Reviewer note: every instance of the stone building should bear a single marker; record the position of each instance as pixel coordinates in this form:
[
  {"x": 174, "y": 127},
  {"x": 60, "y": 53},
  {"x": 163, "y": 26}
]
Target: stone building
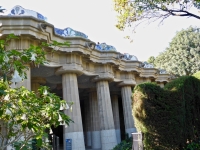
[{"x": 97, "y": 78}]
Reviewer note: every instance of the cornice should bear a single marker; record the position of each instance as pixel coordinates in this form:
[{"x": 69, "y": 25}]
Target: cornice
[{"x": 28, "y": 26}]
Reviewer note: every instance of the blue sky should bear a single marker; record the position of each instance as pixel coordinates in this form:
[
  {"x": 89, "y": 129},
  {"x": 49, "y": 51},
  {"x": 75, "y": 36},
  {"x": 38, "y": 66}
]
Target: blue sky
[{"x": 97, "y": 19}]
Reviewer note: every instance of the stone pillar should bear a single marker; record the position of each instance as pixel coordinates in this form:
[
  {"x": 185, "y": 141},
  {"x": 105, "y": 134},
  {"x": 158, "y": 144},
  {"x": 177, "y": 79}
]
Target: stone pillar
[
  {"x": 88, "y": 114},
  {"x": 115, "y": 109},
  {"x": 75, "y": 130},
  {"x": 127, "y": 109},
  {"x": 35, "y": 83},
  {"x": 147, "y": 80},
  {"x": 95, "y": 123},
  {"x": 161, "y": 84},
  {"x": 108, "y": 135}
]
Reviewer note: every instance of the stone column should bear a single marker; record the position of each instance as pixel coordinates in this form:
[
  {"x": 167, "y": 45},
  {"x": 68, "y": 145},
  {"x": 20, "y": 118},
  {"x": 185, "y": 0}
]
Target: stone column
[
  {"x": 147, "y": 80},
  {"x": 88, "y": 114},
  {"x": 161, "y": 84},
  {"x": 35, "y": 83},
  {"x": 75, "y": 130},
  {"x": 108, "y": 135},
  {"x": 115, "y": 109},
  {"x": 126, "y": 93},
  {"x": 95, "y": 123}
]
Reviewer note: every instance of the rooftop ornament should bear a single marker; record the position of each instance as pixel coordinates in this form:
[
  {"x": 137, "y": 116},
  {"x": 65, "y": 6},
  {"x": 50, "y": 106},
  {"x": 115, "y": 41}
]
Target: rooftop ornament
[
  {"x": 127, "y": 56},
  {"x": 104, "y": 47},
  {"x": 147, "y": 65},
  {"x": 162, "y": 71},
  {"x": 69, "y": 32},
  {"x": 20, "y": 11}
]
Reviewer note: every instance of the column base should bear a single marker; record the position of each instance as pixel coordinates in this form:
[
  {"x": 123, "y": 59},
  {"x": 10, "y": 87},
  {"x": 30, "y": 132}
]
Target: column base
[
  {"x": 88, "y": 138},
  {"x": 108, "y": 139},
  {"x": 118, "y": 135},
  {"x": 77, "y": 140},
  {"x": 130, "y": 131},
  {"x": 96, "y": 139}
]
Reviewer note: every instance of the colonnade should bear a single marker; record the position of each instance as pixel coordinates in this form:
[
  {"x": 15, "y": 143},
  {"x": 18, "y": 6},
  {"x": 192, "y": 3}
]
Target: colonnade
[
  {"x": 102, "y": 123},
  {"x": 101, "y": 112}
]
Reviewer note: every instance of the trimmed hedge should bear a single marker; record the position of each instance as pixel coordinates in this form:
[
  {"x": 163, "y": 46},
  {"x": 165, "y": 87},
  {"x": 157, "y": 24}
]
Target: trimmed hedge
[{"x": 169, "y": 118}]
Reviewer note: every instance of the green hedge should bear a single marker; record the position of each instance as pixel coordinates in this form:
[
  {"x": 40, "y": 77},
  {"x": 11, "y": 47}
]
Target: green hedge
[{"x": 169, "y": 117}]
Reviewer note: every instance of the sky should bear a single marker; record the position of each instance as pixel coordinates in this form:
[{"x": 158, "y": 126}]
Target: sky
[{"x": 97, "y": 19}]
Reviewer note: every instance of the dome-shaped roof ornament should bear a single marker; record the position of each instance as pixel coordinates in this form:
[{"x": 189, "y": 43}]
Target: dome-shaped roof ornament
[
  {"x": 69, "y": 32},
  {"x": 147, "y": 65},
  {"x": 127, "y": 56},
  {"x": 162, "y": 71},
  {"x": 20, "y": 11},
  {"x": 104, "y": 47}
]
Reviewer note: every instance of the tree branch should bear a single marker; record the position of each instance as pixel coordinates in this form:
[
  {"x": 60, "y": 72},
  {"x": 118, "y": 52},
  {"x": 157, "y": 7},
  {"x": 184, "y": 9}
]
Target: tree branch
[{"x": 178, "y": 12}]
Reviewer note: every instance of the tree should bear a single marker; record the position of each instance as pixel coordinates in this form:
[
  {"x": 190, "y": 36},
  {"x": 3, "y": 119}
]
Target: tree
[
  {"x": 138, "y": 11},
  {"x": 182, "y": 57},
  {"x": 151, "y": 60},
  {"x": 26, "y": 115}
]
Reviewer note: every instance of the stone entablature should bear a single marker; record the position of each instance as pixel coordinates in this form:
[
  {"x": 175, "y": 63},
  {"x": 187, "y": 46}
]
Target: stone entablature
[{"x": 76, "y": 58}]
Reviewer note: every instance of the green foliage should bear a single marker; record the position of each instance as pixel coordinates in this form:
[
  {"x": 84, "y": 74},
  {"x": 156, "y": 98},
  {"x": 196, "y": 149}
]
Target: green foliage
[
  {"x": 125, "y": 144},
  {"x": 24, "y": 114},
  {"x": 151, "y": 60},
  {"x": 197, "y": 75},
  {"x": 194, "y": 145},
  {"x": 169, "y": 117},
  {"x": 182, "y": 57},
  {"x": 138, "y": 11}
]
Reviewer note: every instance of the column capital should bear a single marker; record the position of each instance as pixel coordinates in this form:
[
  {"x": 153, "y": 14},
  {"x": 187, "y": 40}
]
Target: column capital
[
  {"x": 103, "y": 77},
  {"x": 127, "y": 78},
  {"x": 162, "y": 78},
  {"x": 70, "y": 68},
  {"x": 128, "y": 82},
  {"x": 148, "y": 72}
]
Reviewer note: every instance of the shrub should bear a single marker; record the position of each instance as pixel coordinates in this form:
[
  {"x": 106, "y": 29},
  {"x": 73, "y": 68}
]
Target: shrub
[{"x": 169, "y": 117}]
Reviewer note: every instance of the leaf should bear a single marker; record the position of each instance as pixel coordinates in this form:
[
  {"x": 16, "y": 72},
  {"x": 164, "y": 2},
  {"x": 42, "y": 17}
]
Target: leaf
[
  {"x": 24, "y": 58},
  {"x": 39, "y": 142},
  {"x": 2, "y": 92}
]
